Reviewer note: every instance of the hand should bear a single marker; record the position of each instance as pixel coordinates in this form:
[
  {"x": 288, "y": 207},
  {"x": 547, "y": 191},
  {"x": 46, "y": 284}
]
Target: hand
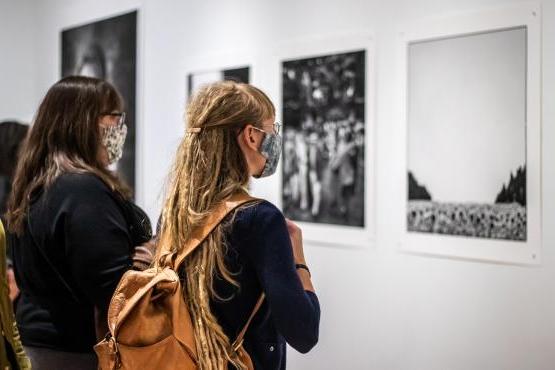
[
  {"x": 12, "y": 285},
  {"x": 296, "y": 235}
]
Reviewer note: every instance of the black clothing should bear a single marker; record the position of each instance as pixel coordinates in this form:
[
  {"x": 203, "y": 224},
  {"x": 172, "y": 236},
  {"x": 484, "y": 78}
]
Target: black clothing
[{"x": 76, "y": 244}]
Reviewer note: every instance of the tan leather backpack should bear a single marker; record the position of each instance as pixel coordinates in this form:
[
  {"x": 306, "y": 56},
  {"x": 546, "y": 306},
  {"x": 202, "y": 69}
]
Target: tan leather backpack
[{"x": 148, "y": 319}]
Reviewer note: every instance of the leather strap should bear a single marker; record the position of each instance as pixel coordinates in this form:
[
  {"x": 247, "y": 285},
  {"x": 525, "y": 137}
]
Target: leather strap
[
  {"x": 200, "y": 234},
  {"x": 213, "y": 220},
  {"x": 239, "y": 341}
]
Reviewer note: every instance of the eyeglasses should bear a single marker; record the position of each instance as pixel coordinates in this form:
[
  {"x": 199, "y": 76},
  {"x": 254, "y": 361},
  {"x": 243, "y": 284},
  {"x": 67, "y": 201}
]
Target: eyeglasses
[
  {"x": 277, "y": 127},
  {"x": 121, "y": 116}
]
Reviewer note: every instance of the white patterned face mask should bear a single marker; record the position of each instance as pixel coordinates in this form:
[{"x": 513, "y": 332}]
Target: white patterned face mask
[
  {"x": 271, "y": 150},
  {"x": 113, "y": 139}
]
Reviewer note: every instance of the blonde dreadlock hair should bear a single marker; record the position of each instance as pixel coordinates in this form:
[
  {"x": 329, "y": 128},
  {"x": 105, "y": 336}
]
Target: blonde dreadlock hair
[{"x": 209, "y": 167}]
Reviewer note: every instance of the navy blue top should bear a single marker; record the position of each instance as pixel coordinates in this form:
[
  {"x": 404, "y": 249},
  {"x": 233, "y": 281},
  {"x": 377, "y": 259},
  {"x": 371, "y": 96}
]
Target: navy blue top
[{"x": 260, "y": 253}]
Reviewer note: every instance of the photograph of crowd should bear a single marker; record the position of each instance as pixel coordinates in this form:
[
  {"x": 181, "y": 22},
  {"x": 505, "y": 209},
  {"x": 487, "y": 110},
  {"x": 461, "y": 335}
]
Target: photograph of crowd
[
  {"x": 196, "y": 80},
  {"x": 467, "y": 136},
  {"x": 107, "y": 49},
  {"x": 324, "y": 139}
]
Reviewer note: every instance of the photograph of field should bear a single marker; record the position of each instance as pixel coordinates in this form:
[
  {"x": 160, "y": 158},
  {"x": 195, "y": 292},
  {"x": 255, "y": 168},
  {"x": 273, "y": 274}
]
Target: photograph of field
[
  {"x": 467, "y": 135},
  {"x": 497, "y": 221}
]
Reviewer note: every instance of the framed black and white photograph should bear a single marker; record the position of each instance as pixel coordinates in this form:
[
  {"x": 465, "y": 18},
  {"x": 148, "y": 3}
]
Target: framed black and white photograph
[
  {"x": 323, "y": 156},
  {"x": 196, "y": 80},
  {"x": 327, "y": 162},
  {"x": 107, "y": 49},
  {"x": 472, "y": 136}
]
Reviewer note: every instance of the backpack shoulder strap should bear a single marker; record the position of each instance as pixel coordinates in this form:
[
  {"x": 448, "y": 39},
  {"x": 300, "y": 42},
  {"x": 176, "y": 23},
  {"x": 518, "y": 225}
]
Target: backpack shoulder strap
[
  {"x": 213, "y": 220},
  {"x": 200, "y": 234},
  {"x": 239, "y": 340}
]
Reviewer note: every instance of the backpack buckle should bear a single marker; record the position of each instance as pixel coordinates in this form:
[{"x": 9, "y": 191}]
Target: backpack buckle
[
  {"x": 237, "y": 345},
  {"x": 117, "y": 360}
]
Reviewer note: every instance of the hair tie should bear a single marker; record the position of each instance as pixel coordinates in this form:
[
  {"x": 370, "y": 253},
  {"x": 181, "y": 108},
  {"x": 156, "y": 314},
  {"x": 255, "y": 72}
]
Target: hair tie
[{"x": 194, "y": 130}]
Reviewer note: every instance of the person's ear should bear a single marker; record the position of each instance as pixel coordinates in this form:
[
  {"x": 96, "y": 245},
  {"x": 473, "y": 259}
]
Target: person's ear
[{"x": 250, "y": 137}]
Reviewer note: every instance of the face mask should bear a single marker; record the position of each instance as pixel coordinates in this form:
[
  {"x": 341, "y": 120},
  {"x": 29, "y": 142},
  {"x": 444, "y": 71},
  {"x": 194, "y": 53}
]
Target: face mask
[
  {"x": 113, "y": 140},
  {"x": 271, "y": 150}
]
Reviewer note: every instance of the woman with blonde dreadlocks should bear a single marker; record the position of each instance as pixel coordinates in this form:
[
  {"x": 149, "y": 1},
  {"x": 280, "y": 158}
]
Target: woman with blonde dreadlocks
[{"x": 232, "y": 136}]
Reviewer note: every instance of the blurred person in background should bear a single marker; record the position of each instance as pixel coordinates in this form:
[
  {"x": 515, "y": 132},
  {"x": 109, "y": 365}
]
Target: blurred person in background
[
  {"x": 12, "y": 135},
  {"x": 12, "y": 355}
]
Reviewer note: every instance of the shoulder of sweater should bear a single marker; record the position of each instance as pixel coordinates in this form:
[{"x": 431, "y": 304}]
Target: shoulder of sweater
[
  {"x": 85, "y": 180},
  {"x": 72, "y": 190},
  {"x": 80, "y": 185},
  {"x": 263, "y": 207},
  {"x": 259, "y": 213}
]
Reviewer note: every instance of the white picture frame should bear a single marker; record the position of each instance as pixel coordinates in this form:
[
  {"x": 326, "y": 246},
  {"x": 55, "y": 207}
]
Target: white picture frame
[
  {"x": 325, "y": 233},
  {"x": 526, "y": 252},
  {"x": 217, "y": 62}
]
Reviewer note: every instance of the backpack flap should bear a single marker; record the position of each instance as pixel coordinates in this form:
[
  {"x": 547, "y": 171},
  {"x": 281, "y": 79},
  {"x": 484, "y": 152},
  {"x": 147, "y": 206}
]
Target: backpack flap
[{"x": 147, "y": 308}]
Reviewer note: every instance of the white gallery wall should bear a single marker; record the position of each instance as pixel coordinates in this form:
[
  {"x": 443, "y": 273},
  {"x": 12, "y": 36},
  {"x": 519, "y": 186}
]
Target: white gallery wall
[
  {"x": 18, "y": 63},
  {"x": 381, "y": 309}
]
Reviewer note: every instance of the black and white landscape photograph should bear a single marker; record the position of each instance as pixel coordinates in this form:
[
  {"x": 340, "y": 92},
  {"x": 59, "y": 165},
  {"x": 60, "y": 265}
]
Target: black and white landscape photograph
[
  {"x": 198, "y": 79},
  {"x": 107, "y": 49},
  {"x": 467, "y": 135},
  {"x": 324, "y": 139}
]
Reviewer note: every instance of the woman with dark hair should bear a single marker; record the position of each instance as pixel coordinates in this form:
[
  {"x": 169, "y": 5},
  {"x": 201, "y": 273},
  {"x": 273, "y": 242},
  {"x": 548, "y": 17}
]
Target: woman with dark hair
[
  {"x": 12, "y": 135},
  {"x": 73, "y": 229}
]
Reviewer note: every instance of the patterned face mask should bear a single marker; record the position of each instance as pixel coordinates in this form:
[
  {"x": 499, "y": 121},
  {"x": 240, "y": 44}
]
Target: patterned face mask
[
  {"x": 271, "y": 150},
  {"x": 113, "y": 139}
]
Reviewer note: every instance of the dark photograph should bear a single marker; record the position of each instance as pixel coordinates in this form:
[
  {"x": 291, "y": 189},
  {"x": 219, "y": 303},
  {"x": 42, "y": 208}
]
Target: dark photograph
[
  {"x": 196, "y": 80},
  {"x": 107, "y": 49},
  {"x": 324, "y": 140},
  {"x": 467, "y": 136}
]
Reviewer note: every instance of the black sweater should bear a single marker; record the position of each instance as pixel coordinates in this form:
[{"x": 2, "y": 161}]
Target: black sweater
[
  {"x": 259, "y": 251},
  {"x": 81, "y": 244}
]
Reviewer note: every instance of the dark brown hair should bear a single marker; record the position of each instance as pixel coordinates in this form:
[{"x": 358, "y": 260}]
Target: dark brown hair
[
  {"x": 65, "y": 137},
  {"x": 12, "y": 135}
]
